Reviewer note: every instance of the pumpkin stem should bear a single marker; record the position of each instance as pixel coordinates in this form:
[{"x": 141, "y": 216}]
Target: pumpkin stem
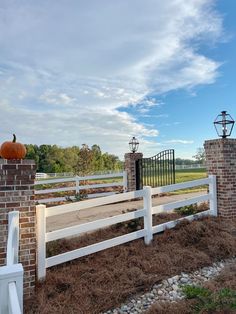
[{"x": 14, "y": 138}]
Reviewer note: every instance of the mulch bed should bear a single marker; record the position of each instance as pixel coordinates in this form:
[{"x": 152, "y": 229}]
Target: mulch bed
[{"x": 101, "y": 281}]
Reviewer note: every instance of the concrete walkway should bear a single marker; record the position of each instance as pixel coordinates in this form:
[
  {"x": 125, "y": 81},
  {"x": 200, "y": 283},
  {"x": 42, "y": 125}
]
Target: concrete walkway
[{"x": 87, "y": 215}]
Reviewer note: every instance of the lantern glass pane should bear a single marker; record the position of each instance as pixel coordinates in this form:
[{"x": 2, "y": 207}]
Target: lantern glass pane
[{"x": 133, "y": 145}]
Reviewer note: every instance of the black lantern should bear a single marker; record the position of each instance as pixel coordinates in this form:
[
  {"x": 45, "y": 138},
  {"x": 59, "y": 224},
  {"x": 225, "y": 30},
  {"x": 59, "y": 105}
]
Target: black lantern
[
  {"x": 224, "y": 124},
  {"x": 133, "y": 144}
]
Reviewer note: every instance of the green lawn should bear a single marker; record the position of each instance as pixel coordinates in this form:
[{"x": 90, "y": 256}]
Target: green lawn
[{"x": 189, "y": 175}]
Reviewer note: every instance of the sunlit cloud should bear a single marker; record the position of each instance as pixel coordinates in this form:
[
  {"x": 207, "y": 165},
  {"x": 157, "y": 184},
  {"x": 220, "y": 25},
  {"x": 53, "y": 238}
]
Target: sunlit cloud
[
  {"x": 179, "y": 142},
  {"x": 70, "y": 71}
]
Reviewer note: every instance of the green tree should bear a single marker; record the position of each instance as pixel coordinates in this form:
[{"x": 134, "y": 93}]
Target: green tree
[
  {"x": 97, "y": 161},
  {"x": 85, "y": 165},
  {"x": 200, "y": 155},
  {"x": 71, "y": 155},
  {"x": 32, "y": 153},
  {"x": 84, "y": 160}
]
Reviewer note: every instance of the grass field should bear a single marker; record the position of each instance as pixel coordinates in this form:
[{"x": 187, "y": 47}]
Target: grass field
[{"x": 189, "y": 175}]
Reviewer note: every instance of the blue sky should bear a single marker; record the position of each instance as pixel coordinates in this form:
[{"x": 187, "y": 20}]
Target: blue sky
[{"x": 102, "y": 71}]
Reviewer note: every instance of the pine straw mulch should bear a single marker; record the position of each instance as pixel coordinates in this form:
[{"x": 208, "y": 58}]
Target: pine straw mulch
[{"x": 101, "y": 281}]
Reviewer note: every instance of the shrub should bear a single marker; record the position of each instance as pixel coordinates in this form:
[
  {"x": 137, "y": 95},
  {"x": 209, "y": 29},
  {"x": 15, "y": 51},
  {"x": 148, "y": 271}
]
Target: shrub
[
  {"x": 192, "y": 209},
  {"x": 195, "y": 291},
  {"x": 208, "y": 301},
  {"x": 187, "y": 210},
  {"x": 78, "y": 197}
]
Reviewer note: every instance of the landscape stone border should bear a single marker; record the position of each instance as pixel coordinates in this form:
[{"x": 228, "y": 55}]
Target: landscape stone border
[{"x": 170, "y": 290}]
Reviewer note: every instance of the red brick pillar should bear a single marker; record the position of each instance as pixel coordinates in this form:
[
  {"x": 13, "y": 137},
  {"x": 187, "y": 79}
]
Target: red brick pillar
[
  {"x": 130, "y": 159},
  {"x": 17, "y": 194},
  {"x": 221, "y": 161}
]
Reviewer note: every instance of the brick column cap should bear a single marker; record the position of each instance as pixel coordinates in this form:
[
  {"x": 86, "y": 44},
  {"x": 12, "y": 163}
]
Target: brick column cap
[
  {"x": 220, "y": 141},
  {"x": 133, "y": 155}
]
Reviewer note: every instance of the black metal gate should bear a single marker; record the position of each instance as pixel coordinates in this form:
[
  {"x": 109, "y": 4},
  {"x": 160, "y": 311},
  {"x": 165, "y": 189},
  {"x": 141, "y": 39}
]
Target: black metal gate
[{"x": 156, "y": 171}]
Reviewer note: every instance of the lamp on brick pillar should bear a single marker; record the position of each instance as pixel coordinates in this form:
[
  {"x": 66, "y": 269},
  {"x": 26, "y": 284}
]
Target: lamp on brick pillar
[
  {"x": 224, "y": 124},
  {"x": 130, "y": 164},
  {"x": 221, "y": 161},
  {"x": 133, "y": 144},
  {"x": 17, "y": 194}
]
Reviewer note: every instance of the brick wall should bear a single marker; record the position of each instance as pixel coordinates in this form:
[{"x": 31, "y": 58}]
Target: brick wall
[
  {"x": 130, "y": 159},
  {"x": 221, "y": 161},
  {"x": 17, "y": 193}
]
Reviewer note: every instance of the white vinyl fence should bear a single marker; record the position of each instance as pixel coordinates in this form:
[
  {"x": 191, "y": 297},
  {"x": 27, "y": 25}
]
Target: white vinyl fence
[
  {"x": 43, "y": 212},
  {"x": 195, "y": 166},
  {"x": 43, "y": 175},
  {"x": 120, "y": 179},
  {"x": 11, "y": 275}
]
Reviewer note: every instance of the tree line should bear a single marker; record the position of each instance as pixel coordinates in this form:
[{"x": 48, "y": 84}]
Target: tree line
[
  {"x": 79, "y": 160},
  {"x": 200, "y": 158},
  {"x": 84, "y": 160}
]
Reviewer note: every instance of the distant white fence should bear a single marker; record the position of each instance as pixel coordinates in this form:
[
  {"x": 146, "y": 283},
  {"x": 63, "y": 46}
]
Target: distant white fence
[
  {"x": 11, "y": 276},
  {"x": 196, "y": 166},
  {"x": 147, "y": 212},
  {"x": 120, "y": 179},
  {"x": 43, "y": 175}
]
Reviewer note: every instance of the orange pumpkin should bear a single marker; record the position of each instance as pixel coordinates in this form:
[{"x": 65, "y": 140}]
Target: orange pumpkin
[{"x": 13, "y": 150}]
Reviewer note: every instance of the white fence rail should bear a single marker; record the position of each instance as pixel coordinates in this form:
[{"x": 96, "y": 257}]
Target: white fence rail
[
  {"x": 195, "y": 166},
  {"x": 120, "y": 181},
  {"x": 11, "y": 275},
  {"x": 43, "y": 175},
  {"x": 147, "y": 232}
]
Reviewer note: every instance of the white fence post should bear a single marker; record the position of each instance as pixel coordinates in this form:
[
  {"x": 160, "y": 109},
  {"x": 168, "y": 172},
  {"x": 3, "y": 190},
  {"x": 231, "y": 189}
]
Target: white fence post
[
  {"x": 213, "y": 195},
  {"x": 8, "y": 275},
  {"x": 41, "y": 243},
  {"x": 77, "y": 185},
  {"x": 125, "y": 183},
  {"x": 147, "y": 200},
  {"x": 13, "y": 238}
]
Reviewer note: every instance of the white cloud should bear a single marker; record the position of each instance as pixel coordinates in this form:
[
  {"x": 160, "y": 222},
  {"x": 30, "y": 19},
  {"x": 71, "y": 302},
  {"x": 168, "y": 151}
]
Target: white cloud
[
  {"x": 163, "y": 115},
  {"x": 68, "y": 68},
  {"x": 112, "y": 128},
  {"x": 179, "y": 142},
  {"x": 52, "y": 97}
]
